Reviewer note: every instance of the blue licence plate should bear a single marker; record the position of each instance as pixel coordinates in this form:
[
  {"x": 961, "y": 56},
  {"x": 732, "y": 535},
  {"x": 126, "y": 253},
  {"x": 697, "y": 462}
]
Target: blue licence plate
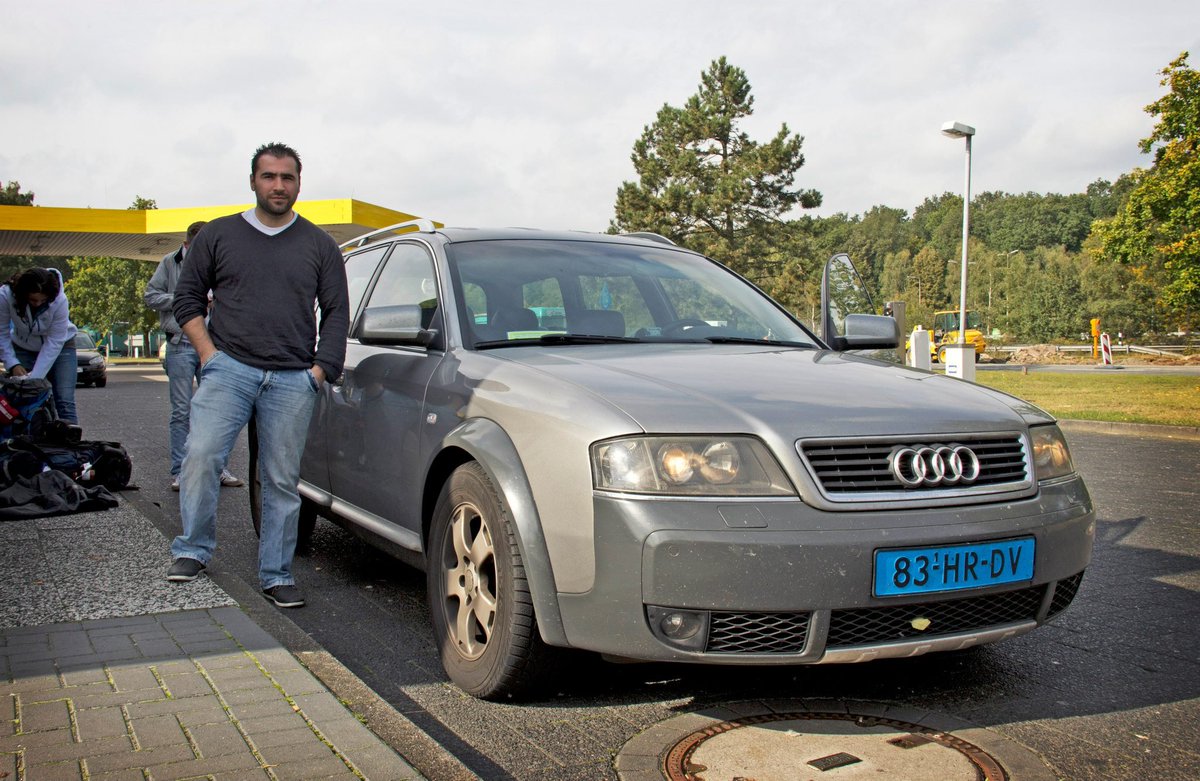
[{"x": 952, "y": 567}]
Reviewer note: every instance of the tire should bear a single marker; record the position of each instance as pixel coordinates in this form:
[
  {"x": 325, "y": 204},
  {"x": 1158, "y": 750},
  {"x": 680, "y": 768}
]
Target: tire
[
  {"x": 479, "y": 600},
  {"x": 100, "y": 383},
  {"x": 941, "y": 355},
  {"x": 308, "y": 510}
]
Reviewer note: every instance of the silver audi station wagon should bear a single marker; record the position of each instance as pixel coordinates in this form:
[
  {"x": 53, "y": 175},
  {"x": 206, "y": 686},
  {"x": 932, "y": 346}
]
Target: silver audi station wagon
[{"x": 615, "y": 444}]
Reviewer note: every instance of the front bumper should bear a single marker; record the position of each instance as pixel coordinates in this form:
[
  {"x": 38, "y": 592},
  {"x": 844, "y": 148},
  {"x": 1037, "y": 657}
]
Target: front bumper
[{"x": 785, "y": 583}]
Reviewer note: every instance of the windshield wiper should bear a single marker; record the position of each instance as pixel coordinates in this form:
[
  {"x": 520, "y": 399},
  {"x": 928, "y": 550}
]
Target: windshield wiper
[
  {"x": 553, "y": 339},
  {"x": 750, "y": 340}
]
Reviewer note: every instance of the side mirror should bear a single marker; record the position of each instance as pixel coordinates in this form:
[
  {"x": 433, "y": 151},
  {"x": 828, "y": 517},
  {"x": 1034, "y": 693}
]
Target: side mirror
[
  {"x": 846, "y": 319},
  {"x": 404, "y": 324}
]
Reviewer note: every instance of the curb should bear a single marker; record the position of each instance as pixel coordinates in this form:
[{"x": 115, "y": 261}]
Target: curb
[{"x": 1153, "y": 430}]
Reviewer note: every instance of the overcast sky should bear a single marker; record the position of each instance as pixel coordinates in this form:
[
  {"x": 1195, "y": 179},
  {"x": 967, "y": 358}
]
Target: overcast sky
[{"x": 525, "y": 113}]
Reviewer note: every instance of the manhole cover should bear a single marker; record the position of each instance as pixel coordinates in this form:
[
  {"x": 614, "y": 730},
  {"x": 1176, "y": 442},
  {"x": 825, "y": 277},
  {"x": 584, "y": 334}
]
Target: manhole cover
[{"x": 815, "y": 746}]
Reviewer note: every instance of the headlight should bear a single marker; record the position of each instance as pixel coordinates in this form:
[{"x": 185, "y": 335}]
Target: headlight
[
  {"x": 97, "y": 361},
  {"x": 1051, "y": 458},
  {"x": 690, "y": 466}
]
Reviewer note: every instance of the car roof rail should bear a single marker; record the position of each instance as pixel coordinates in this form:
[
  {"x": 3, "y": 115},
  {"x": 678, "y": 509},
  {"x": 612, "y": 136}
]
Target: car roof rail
[
  {"x": 420, "y": 224},
  {"x": 661, "y": 239}
]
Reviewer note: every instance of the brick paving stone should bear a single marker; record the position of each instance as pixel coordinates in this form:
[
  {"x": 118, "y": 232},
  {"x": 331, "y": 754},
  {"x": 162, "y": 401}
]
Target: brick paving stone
[
  {"x": 215, "y": 740},
  {"x": 236, "y": 678},
  {"x": 154, "y": 731},
  {"x": 59, "y": 747},
  {"x": 54, "y": 771},
  {"x": 265, "y": 739},
  {"x": 313, "y": 769},
  {"x": 298, "y": 682},
  {"x": 101, "y": 723},
  {"x": 242, "y": 699},
  {"x": 347, "y": 734},
  {"x": 278, "y": 724},
  {"x": 206, "y": 647},
  {"x": 194, "y": 708},
  {"x": 161, "y": 649},
  {"x": 45, "y": 715},
  {"x": 139, "y": 697},
  {"x": 82, "y": 675},
  {"x": 229, "y": 660},
  {"x": 377, "y": 763},
  {"x": 133, "y": 677},
  {"x": 321, "y": 707},
  {"x": 124, "y": 774},
  {"x": 190, "y": 685}
]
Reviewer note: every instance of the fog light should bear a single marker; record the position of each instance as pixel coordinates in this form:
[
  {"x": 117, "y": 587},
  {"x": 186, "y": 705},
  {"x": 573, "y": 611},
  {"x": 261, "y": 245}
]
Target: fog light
[
  {"x": 680, "y": 626},
  {"x": 684, "y": 629}
]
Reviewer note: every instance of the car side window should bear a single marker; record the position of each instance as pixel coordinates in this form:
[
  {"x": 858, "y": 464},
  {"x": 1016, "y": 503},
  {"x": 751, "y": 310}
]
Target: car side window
[
  {"x": 360, "y": 267},
  {"x": 407, "y": 280}
]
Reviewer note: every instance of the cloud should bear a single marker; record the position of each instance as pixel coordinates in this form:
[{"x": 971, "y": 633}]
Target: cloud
[{"x": 526, "y": 113}]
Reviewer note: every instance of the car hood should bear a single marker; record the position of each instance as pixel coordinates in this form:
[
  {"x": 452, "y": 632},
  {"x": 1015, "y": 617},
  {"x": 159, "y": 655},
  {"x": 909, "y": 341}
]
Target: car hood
[{"x": 735, "y": 388}]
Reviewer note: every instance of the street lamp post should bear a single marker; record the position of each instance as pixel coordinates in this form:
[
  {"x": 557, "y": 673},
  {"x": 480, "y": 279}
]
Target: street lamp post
[{"x": 964, "y": 366}]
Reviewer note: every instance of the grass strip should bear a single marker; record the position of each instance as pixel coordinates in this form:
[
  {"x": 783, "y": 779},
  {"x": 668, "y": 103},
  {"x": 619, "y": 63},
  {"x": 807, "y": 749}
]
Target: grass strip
[{"x": 1168, "y": 400}]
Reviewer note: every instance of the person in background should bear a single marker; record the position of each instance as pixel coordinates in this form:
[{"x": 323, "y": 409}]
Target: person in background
[
  {"x": 181, "y": 363},
  {"x": 37, "y": 337},
  {"x": 262, "y": 354}
]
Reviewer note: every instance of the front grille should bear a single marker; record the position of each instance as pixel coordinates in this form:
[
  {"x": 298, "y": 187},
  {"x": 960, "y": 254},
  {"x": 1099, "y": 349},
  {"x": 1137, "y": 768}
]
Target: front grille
[
  {"x": 1064, "y": 593},
  {"x": 853, "y": 469},
  {"x": 866, "y": 626},
  {"x": 757, "y": 633}
]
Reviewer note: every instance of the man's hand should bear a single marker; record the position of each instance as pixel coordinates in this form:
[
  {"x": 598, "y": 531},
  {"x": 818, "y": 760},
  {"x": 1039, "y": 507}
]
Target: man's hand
[
  {"x": 318, "y": 374},
  {"x": 18, "y": 371}
]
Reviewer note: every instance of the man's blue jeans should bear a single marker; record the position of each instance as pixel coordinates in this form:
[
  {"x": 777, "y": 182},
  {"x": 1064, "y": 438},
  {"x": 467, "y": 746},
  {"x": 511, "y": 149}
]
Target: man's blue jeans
[
  {"x": 63, "y": 376},
  {"x": 282, "y": 403},
  {"x": 182, "y": 366}
]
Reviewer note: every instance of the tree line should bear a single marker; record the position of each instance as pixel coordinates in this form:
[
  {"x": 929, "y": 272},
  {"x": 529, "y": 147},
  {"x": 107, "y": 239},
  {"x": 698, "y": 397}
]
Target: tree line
[{"x": 1041, "y": 265}]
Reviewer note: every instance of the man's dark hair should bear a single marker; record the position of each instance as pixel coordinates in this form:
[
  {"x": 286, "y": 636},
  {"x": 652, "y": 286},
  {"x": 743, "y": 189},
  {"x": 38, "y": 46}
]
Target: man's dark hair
[
  {"x": 193, "y": 229},
  {"x": 274, "y": 149}
]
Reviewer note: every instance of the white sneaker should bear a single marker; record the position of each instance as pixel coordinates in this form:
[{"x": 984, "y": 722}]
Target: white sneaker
[
  {"x": 228, "y": 480},
  {"x": 175, "y": 482}
]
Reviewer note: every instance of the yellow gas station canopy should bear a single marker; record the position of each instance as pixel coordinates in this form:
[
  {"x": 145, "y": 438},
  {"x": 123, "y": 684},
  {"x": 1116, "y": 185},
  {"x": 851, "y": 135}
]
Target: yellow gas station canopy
[{"x": 148, "y": 234}]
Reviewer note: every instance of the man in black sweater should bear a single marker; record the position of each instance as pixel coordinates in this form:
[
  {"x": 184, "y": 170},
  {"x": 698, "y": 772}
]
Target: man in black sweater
[{"x": 262, "y": 353}]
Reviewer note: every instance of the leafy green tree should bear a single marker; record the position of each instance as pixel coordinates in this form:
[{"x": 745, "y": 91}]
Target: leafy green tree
[
  {"x": 107, "y": 293},
  {"x": 1159, "y": 222},
  {"x": 703, "y": 183},
  {"x": 11, "y": 195},
  {"x": 1030, "y": 220}
]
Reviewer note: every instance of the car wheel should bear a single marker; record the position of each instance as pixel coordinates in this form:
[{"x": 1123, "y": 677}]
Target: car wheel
[
  {"x": 100, "y": 383},
  {"x": 479, "y": 600},
  {"x": 941, "y": 355},
  {"x": 308, "y": 510}
]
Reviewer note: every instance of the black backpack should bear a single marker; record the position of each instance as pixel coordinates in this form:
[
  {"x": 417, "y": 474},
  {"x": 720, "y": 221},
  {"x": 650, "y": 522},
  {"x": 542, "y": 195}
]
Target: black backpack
[
  {"x": 24, "y": 406},
  {"x": 86, "y": 462}
]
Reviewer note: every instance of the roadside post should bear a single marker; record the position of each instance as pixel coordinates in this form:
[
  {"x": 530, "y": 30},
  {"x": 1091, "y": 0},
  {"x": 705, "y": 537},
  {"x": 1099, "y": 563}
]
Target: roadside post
[
  {"x": 1095, "y": 335},
  {"x": 1105, "y": 349},
  {"x": 918, "y": 349},
  {"x": 896, "y": 310}
]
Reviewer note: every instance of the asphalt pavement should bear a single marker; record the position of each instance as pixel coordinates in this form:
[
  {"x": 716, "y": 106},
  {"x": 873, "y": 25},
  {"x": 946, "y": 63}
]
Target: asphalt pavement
[{"x": 1110, "y": 691}]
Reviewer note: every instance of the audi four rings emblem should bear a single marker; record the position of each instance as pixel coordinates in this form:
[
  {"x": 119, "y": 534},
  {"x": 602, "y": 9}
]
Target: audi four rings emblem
[{"x": 935, "y": 465}]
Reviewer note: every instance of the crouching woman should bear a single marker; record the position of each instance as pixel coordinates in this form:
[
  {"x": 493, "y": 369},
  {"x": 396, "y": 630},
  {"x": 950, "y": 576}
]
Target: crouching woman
[{"x": 37, "y": 337}]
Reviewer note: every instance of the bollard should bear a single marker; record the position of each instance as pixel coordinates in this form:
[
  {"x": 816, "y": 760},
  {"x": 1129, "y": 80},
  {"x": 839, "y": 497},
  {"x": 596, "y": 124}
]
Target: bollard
[
  {"x": 918, "y": 349},
  {"x": 1105, "y": 350}
]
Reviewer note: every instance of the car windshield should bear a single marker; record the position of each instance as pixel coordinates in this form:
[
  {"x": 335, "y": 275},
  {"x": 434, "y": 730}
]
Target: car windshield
[
  {"x": 84, "y": 342},
  {"x": 515, "y": 292}
]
